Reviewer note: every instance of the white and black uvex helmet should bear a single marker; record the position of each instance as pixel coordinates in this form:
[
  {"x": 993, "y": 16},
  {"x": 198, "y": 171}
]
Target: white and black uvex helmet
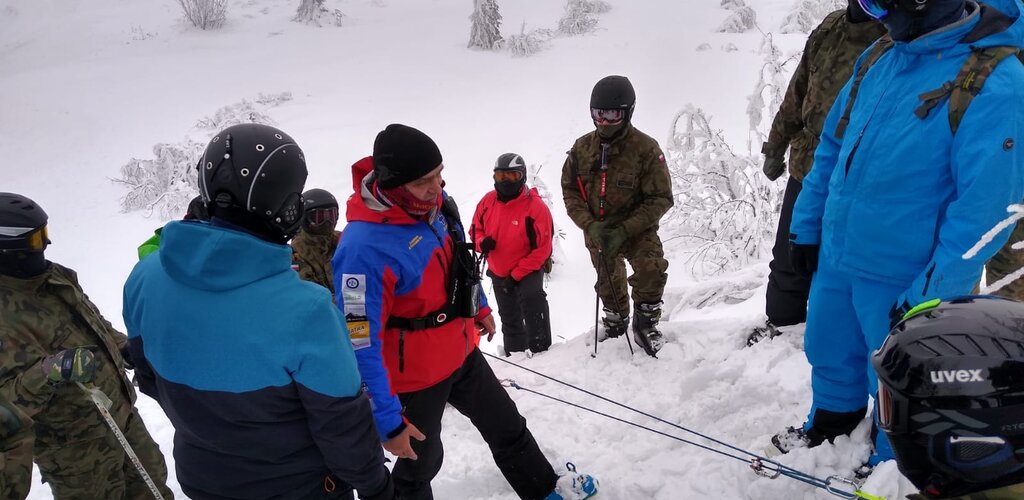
[{"x": 257, "y": 169}]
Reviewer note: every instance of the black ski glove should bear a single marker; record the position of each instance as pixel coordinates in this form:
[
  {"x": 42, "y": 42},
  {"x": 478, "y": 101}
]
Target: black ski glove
[
  {"x": 773, "y": 167},
  {"x": 487, "y": 245},
  {"x": 804, "y": 259}
]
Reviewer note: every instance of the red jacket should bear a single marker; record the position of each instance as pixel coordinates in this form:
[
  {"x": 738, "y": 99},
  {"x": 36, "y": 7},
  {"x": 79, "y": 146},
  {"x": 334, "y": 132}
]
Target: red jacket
[
  {"x": 521, "y": 229},
  {"x": 391, "y": 264}
]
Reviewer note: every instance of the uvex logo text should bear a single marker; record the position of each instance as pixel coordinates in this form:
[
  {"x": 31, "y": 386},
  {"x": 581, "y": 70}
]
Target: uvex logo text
[{"x": 946, "y": 376}]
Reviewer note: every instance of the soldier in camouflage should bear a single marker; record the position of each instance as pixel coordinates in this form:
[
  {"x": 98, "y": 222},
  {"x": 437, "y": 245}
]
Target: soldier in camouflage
[
  {"x": 53, "y": 339},
  {"x": 616, "y": 188},
  {"x": 826, "y": 65},
  {"x": 313, "y": 247},
  {"x": 15, "y": 452}
]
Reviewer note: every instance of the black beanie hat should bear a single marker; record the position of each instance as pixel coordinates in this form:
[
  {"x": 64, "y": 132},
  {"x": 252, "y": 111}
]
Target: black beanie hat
[{"x": 403, "y": 154}]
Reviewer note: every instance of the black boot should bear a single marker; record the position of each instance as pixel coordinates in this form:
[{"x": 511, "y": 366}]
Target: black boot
[
  {"x": 768, "y": 331},
  {"x": 614, "y": 324},
  {"x": 645, "y": 327}
]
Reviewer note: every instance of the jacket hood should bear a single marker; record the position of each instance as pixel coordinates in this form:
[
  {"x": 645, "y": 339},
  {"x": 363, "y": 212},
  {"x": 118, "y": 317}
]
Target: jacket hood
[
  {"x": 202, "y": 256},
  {"x": 988, "y": 24}
]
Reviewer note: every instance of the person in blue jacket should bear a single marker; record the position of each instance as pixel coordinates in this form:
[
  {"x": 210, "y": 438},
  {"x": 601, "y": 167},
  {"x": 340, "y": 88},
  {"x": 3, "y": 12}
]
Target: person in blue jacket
[
  {"x": 252, "y": 365},
  {"x": 897, "y": 195}
]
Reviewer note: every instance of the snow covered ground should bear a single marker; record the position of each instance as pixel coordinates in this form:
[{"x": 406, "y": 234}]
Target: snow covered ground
[{"x": 87, "y": 85}]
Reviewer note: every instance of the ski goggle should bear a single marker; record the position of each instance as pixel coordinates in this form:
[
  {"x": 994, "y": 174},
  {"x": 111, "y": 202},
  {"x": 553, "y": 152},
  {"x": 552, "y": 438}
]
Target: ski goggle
[
  {"x": 607, "y": 115},
  {"x": 319, "y": 216},
  {"x": 32, "y": 241},
  {"x": 877, "y": 9},
  {"x": 507, "y": 175}
]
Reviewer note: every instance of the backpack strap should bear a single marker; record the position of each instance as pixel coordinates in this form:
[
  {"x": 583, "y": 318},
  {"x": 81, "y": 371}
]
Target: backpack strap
[
  {"x": 873, "y": 55},
  {"x": 972, "y": 77}
]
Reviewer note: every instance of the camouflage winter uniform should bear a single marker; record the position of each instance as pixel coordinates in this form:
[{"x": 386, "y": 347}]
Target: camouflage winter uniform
[
  {"x": 1005, "y": 262},
  {"x": 826, "y": 65},
  {"x": 15, "y": 452},
  {"x": 1012, "y": 492},
  {"x": 75, "y": 450},
  {"x": 312, "y": 253},
  {"x": 638, "y": 193}
]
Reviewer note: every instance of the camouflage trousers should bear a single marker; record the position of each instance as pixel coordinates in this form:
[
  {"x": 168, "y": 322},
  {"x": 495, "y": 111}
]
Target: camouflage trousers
[
  {"x": 97, "y": 466},
  {"x": 646, "y": 256},
  {"x": 16, "y": 464},
  {"x": 1005, "y": 262}
]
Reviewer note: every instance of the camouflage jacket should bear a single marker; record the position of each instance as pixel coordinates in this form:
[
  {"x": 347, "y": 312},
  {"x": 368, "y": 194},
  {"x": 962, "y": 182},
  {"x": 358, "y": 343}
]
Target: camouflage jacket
[
  {"x": 312, "y": 254},
  {"x": 827, "y": 63},
  {"x": 43, "y": 315},
  {"x": 14, "y": 427},
  {"x": 1012, "y": 492},
  {"x": 638, "y": 186}
]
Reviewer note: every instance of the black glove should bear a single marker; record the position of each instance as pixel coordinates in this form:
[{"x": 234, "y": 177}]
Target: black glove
[
  {"x": 774, "y": 167},
  {"x": 898, "y": 311},
  {"x": 126, "y": 355},
  {"x": 487, "y": 245},
  {"x": 804, "y": 259}
]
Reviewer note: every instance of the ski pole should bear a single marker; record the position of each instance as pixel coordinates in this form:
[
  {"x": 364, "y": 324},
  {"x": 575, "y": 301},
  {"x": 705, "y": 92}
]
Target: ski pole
[
  {"x": 103, "y": 404},
  {"x": 597, "y": 302},
  {"x": 608, "y": 278}
]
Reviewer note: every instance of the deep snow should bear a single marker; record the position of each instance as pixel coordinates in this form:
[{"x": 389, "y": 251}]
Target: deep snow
[{"x": 86, "y": 85}]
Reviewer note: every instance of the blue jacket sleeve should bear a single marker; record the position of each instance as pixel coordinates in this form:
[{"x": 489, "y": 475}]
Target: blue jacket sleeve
[
  {"x": 805, "y": 226},
  {"x": 367, "y": 285},
  {"x": 988, "y": 169}
]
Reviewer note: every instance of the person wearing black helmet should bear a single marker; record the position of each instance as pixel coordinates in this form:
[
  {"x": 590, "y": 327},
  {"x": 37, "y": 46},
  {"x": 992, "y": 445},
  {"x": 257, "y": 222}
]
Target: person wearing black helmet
[
  {"x": 52, "y": 337},
  {"x": 616, "y": 188},
  {"x": 951, "y": 398},
  {"x": 512, "y": 227},
  {"x": 257, "y": 377},
  {"x": 313, "y": 246}
]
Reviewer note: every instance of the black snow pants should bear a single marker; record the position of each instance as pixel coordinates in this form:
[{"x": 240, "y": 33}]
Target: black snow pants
[
  {"x": 523, "y": 308},
  {"x": 786, "y": 298},
  {"x": 475, "y": 392}
]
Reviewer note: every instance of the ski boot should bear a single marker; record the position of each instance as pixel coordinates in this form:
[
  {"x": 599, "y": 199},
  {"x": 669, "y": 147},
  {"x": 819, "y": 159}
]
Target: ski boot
[
  {"x": 573, "y": 485},
  {"x": 788, "y": 440},
  {"x": 614, "y": 325},
  {"x": 768, "y": 331},
  {"x": 645, "y": 327}
]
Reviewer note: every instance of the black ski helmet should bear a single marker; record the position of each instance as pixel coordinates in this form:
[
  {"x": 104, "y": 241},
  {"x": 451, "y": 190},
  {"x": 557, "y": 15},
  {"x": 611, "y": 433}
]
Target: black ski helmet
[
  {"x": 951, "y": 394},
  {"x": 505, "y": 163},
  {"x": 255, "y": 169},
  {"x": 614, "y": 92},
  {"x": 318, "y": 198},
  {"x": 22, "y": 224}
]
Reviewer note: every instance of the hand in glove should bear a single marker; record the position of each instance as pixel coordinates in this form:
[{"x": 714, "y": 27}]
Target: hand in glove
[
  {"x": 593, "y": 232},
  {"x": 487, "y": 245},
  {"x": 70, "y": 365},
  {"x": 773, "y": 167},
  {"x": 804, "y": 259},
  {"x": 612, "y": 240}
]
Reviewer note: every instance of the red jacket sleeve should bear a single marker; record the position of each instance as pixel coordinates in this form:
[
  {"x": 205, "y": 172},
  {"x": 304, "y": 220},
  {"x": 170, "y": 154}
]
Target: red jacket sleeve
[{"x": 540, "y": 221}]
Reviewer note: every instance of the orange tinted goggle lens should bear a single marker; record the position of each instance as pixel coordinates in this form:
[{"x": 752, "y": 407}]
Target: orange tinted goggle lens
[
  {"x": 508, "y": 175},
  {"x": 37, "y": 239}
]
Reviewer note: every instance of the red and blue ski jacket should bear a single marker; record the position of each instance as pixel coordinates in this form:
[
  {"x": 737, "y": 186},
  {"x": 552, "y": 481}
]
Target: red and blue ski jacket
[
  {"x": 521, "y": 229},
  {"x": 390, "y": 264}
]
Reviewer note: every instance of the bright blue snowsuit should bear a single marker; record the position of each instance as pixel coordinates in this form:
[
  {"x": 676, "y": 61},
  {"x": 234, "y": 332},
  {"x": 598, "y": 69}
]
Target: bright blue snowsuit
[{"x": 898, "y": 200}]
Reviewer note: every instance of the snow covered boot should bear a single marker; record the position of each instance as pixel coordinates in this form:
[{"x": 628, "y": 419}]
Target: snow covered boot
[
  {"x": 614, "y": 325},
  {"x": 573, "y": 485},
  {"x": 645, "y": 327},
  {"x": 768, "y": 331},
  {"x": 789, "y": 440}
]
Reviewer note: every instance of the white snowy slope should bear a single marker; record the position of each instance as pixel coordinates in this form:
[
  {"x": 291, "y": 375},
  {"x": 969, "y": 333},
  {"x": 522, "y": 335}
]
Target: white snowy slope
[{"x": 87, "y": 85}]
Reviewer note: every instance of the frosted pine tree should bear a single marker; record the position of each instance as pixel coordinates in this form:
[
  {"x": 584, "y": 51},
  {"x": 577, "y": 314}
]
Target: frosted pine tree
[{"x": 485, "y": 32}]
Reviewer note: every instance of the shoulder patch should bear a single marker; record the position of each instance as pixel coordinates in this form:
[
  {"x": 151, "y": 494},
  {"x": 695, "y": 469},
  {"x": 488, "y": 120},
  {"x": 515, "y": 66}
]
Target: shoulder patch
[{"x": 354, "y": 296}]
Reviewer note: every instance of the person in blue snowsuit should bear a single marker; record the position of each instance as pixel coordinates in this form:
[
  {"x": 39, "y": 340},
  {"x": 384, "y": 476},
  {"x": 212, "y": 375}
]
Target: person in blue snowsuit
[
  {"x": 894, "y": 201},
  {"x": 252, "y": 365}
]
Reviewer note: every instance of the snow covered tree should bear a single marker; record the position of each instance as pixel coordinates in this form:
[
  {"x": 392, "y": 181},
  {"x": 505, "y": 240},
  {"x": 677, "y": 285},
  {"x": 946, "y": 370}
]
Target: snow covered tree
[
  {"x": 773, "y": 79},
  {"x": 485, "y": 32},
  {"x": 741, "y": 20},
  {"x": 578, "y": 18},
  {"x": 806, "y": 14},
  {"x": 312, "y": 11},
  {"x": 205, "y": 14},
  {"x": 526, "y": 44}
]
